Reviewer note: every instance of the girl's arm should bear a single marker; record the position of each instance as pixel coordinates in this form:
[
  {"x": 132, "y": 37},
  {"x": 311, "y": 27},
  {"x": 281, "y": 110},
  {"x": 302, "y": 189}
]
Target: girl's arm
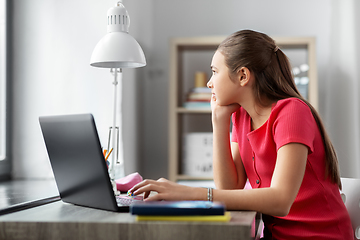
[
  {"x": 285, "y": 184},
  {"x": 229, "y": 172},
  {"x": 275, "y": 200}
]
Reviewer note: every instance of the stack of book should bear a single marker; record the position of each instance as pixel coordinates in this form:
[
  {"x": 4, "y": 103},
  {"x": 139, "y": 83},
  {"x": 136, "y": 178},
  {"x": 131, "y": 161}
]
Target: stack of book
[
  {"x": 198, "y": 97},
  {"x": 180, "y": 211}
]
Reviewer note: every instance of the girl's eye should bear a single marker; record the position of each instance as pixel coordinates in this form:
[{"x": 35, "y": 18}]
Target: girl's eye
[{"x": 213, "y": 72}]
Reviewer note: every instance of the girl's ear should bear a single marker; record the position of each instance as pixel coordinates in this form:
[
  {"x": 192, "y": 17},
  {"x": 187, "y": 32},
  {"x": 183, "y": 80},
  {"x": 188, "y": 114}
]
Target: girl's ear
[{"x": 244, "y": 76}]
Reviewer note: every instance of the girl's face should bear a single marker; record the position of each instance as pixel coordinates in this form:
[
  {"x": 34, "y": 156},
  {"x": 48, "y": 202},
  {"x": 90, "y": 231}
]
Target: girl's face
[{"x": 224, "y": 90}]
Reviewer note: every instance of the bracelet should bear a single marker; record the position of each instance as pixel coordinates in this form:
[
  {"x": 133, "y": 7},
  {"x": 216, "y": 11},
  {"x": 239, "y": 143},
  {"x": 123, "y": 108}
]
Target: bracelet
[{"x": 210, "y": 195}]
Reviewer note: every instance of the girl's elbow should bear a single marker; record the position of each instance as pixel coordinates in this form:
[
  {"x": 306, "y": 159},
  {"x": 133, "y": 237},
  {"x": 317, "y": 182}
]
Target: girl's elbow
[
  {"x": 282, "y": 211},
  {"x": 282, "y": 204},
  {"x": 283, "y": 208}
]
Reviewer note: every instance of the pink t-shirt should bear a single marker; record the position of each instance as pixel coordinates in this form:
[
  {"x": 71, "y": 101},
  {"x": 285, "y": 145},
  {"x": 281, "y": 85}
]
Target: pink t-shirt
[{"x": 318, "y": 211}]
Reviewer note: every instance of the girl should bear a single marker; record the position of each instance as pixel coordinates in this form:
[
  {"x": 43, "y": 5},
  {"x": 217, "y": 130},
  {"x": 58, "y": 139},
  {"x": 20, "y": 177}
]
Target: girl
[{"x": 278, "y": 143}]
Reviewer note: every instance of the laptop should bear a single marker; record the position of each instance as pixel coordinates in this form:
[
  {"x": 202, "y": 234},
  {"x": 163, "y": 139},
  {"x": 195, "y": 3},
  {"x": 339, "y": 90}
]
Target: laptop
[{"x": 78, "y": 163}]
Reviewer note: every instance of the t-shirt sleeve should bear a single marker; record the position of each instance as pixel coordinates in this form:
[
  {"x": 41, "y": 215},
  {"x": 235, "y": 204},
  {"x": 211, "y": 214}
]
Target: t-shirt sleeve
[{"x": 294, "y": 124}]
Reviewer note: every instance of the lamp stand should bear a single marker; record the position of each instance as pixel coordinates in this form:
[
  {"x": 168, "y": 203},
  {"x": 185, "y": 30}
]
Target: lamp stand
[
  {"x": 115, "y": 135},
  {"x": 117, "y": 50}
]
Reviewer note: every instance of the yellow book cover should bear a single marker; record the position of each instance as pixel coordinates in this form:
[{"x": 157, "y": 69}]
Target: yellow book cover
[{"x": 209, "y": 218}]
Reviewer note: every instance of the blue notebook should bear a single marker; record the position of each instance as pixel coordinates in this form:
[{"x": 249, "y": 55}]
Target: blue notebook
[{"x": 177, "y": 208}]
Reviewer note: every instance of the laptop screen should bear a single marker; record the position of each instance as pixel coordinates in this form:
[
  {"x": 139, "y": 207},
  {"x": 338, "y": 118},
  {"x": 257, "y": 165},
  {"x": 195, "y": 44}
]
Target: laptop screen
[{"x": 77, "y": 161}]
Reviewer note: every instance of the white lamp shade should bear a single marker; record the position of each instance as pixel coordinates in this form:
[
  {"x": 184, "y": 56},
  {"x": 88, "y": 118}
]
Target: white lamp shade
[{"x": 118, "y": 50}]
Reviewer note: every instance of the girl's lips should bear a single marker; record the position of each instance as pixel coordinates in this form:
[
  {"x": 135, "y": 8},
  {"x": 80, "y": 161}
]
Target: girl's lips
[{"x": 213, "y": 96}]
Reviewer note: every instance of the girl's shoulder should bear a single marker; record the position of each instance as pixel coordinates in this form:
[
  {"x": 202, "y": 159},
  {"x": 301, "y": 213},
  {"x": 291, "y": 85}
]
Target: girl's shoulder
[
  {"x": 294, "y": 105},
  {"x": 290, "y": 102}
]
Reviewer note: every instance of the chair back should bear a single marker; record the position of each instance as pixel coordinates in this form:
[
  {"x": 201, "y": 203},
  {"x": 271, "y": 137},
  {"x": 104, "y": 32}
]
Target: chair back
[{"x": 350, "y": 195}]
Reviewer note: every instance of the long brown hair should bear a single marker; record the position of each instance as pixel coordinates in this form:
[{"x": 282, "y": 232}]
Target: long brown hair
[{"x": 274, "y": 80}]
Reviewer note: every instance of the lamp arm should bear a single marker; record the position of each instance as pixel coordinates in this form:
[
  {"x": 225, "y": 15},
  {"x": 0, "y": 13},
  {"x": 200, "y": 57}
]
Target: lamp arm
[{"x": 113, "y": 140}]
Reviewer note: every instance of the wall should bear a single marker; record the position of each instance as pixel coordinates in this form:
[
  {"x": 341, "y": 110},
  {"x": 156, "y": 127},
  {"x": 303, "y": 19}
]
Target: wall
[
  {"x": 52, "y": 45},
  {"x": 343, "y": 85}
]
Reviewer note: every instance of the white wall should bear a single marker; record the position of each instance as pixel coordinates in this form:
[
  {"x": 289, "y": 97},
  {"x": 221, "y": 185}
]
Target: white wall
[
  {"x": 53, "y": 41},
  {"x": 52, "y": 45},
  {"x": 343, "y": 85}
]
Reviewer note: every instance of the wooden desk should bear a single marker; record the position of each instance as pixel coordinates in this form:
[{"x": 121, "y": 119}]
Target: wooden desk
[
  {"x": 25, "y": 215},
  {"x": 60, "y": 220}
]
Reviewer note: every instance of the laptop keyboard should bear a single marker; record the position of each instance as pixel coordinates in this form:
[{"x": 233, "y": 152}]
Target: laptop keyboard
[{"x": 127, "y": 201}]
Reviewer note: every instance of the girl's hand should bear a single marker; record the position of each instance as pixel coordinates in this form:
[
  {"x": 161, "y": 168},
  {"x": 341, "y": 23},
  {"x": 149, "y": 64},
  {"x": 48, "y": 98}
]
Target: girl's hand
[
  {"x": 222, "y": 112},
  {"x": 167, "y": 190}
]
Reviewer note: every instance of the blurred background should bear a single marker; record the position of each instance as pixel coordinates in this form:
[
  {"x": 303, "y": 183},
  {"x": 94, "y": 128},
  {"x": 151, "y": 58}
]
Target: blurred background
[{"x": 49, "y": 45}]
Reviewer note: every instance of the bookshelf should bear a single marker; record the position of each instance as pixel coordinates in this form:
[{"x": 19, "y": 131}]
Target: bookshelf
[{"x": 192, "y": 54}]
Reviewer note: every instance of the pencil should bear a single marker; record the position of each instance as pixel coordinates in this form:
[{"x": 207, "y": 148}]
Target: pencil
[
  {"x": 109, "y": 154},
  {"x": 105, "y": 152}
]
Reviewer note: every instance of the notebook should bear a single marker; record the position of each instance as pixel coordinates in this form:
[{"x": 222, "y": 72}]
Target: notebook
[
  {"x": 78, "y": 163},
  {"x": 178, "y": 208}
]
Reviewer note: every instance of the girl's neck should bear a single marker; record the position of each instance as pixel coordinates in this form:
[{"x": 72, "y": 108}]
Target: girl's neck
[
  {"x": 258, "y": 119},
  {"x": 258, "y": 114}
]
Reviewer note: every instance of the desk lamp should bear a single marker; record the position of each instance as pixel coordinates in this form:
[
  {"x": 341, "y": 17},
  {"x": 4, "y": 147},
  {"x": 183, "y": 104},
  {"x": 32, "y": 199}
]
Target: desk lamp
[{"x": 117, "y": 50}]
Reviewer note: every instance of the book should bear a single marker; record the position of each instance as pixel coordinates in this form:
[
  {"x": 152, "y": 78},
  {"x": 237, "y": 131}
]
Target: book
[
  {"x": 209, "y": 218},
  {"x": 177, "y": 208},
  {"x": 199, "y": 97}
]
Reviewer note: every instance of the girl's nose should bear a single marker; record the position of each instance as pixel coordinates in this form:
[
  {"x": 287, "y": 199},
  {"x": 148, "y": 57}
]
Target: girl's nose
[{"x": 209, "y": 83}]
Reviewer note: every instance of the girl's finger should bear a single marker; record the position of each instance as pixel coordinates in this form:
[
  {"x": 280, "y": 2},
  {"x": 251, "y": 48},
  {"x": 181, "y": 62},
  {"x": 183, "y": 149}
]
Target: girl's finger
[
  {"x": 146, "y": 195},
  {"x": 151, "y": 186},
  {"x": 155, "y": 197},
  {"x": 140, "y": 184}
]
